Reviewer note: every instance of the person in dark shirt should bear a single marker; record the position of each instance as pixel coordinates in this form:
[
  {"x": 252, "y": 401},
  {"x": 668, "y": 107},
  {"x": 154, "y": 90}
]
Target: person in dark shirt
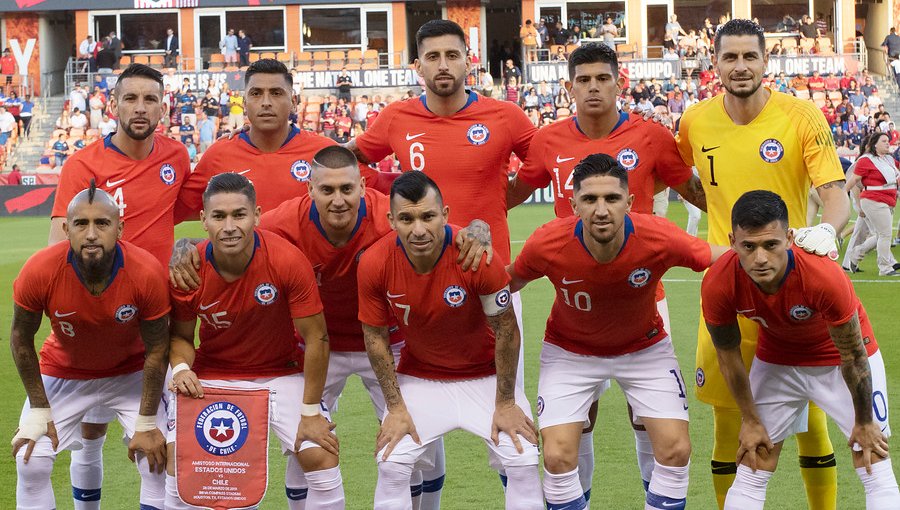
[
  {"x": 891, "y": 44},
  {"x": 344, "y": 84}
]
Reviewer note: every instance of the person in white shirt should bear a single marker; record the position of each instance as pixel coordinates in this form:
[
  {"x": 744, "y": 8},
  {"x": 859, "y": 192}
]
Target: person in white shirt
[
  {"x": 359, "y": 112},
  {"x": 86, "y": 53},
  {"x": 107, "y": 126},
  {"x": 7, "y": 124},
  {"x": 78, "y": 119},
  {"x": 78, "y": 98},
  {"x": 486, "y": 82}
]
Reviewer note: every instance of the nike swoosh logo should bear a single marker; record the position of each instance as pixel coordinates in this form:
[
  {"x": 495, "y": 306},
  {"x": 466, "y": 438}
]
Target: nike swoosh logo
[
  {"x": 569, "y": 282},
  {"x": 57, "y": 314},
  {"x": 208, "y": 306},
  {"x": 413, "y": 137},
  {"x": 242, "y": 172},
  {"x": 563, "y": 160},
  {"x": 394, "y": 295},
  {"x": 704, "y": 149},
  {"x": 113, "y": 184},
  {"x": 667, "y": 504},
  {"x": 749, "y": 310},
  {"x": 86, "y": 496}
]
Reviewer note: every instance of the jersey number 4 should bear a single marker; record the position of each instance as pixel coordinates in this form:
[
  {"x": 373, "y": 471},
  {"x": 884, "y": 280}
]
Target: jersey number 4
[{"x": 559, "y": 188}]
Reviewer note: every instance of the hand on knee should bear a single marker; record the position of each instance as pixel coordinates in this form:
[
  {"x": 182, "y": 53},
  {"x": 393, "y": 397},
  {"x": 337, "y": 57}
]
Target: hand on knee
[{"x": 316, "y": 459}]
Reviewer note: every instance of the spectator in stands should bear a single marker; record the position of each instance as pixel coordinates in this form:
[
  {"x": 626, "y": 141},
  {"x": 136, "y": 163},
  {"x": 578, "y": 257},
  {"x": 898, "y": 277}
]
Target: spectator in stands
[
  {"x": 816, "y": 83},
  {"x": 529, "y": 100},
  {"x": 671, "y": 54},
  {"x": 235, "y": 110},
  {"x": 79, "y": 120},
  {"x": 210, "y": 104},
  {"x": 608, "y": 32},
  {"x": 832, "y": 83},
  {"x": 107, "y": 125},
  {"x": 15, "y": 177},
  {"x": 344, "y": 83},
  {"x": 807, "y": 28},
  {"x": 543, "y": 33},
  {"x": 708, "y": 31},
  {"x": 799, "y": 83},
  {"x": 560, "y": 55},
  {"x": 691, "y": 100},
  {"x": 673, "y": 32},
  {"x": 560, "y": 35},
  {"x": 86, "y": 54},
  {"x": 187, "y": 102},
  {"x": 575, "y": 35},
  {"x": 116, "y": 46},
  {"x": 676, "y": 104},
  {"x": 106, "y": 57},
  {"x": 192, "y": 151},
  {"x": 643, "y": 105},
  {"x": 545, "y": 95},
  {"x": 360, "y": 109},
  {"x": 78, "y": 98},
  {"x": 329, "y": 120},
  {"x": 206, "y": 130},
  {"x": 186, "y": 131},
  {"x": 371, "y": 115},
  {"x": 512, "y": 90},
  {"x": 891, "y": 44},
  {"x": 342, "y": 128},
  {"x": 548, "y": 115},
  {"x": 821, "y": 25},
  {"x": 171, "y": 46},
  {"x": 868, "y": 87},
  {"x": 60, "y": 150},
  {"x": 873, "y": 100},
  {"x": 511, "y": 71},
  {"x": 97, "y": 104},
  {"x": 529, "y": 37},
  {"x": 7, "y": 65},
  {"x": 229, "y": 47},
  {"x": 100, "y": 83},
  {"x": 485, "y": 84},
  {"x": 245, "y": 44},
  {"x": 776, "y": 50},
  {"x": 884, "y": 120},
  {"x": 64, "y": 121},
  {"x": 25, "y": 115}
]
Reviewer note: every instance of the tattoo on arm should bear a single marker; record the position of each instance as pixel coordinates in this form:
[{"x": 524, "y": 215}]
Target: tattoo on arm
[
  {"x": 855, "y": 366},
  {"x": 352, "y": 147},
  {"x": 155, "y": 335},
  {"x": 692, "y": 191},
  {"x": 25, "y": 325},
  {"x": 725, "y": 337},
  {"x": 480, "y": 231},
  {"x": 506, "y": 353},
  {"x": 378, "y": 348}
]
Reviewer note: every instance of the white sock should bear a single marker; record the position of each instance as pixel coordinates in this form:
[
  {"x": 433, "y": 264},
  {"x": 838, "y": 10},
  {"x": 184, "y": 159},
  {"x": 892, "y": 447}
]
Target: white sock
[
  {"x": 295, "y": 485},
  {"x": 415, "y": 489},
  {"x": 433, "y": 479},
  {"x": 392, "y": 488},
  {"x": 748, "y": 492},
  {"x": 644, "y": 449},
  {"x": 586, "y": 463},
  {"x": 563, "y": 490},
  {"x": 523, "y": 492},
  {"x": 326, "y": 489},
  {"x": 153, "y": 485},
  {"x": 33, "y": 488},
  {"x": 881, "y": 486},
  {"x": 668, "y": 487},
  {"x": 86, "y": 472}
]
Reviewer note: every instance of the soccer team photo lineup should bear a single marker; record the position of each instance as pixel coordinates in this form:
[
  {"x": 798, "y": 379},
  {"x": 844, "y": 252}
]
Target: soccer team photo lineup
[{"x": 584, "y": 267}]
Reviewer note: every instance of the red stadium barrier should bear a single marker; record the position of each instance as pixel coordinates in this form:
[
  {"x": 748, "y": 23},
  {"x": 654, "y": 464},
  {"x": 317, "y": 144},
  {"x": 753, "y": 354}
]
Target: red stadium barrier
[{"x": 26, "y": 200}]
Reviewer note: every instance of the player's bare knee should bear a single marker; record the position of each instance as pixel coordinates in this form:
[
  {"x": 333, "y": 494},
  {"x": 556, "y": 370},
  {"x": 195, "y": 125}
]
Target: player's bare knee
[
  {"x": 93, "y": 430},
  {"x": 316, "y": 459},
  {"x": 559, "y": 457},
  {"x": 676, "y": 452}
]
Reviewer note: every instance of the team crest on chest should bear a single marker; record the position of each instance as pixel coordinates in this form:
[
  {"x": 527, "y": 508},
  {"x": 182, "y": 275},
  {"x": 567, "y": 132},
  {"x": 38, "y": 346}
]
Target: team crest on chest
[
  {"x": 125, "y": 313},
  {"x": 628, "y": 158},
  {"x": 301, "y": 169},
  {"x": 800, "y": 313},
  {"x": 265, "y": 294},
  {"x": 167, "y": 174},
  {"x": 221, "y": 428},
  {"x": 454, "y": 296},
  {"x": 771, "y": 151},
  {"x": 639, "y": 277},
  {"x": 478, "y": 134}
]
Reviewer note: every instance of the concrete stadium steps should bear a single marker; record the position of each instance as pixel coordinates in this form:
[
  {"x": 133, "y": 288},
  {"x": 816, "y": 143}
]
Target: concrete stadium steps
[
  {"x": 889, "y": 93},
  {"x": 28, "y": 153}
]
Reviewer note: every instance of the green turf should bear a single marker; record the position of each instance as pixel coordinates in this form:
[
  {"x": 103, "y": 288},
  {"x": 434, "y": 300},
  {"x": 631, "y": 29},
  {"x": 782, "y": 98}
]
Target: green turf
[{"x": 470, "y": 484}]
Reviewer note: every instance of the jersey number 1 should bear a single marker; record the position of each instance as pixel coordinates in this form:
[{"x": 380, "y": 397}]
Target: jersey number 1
[{"x": 712, "y": 171}]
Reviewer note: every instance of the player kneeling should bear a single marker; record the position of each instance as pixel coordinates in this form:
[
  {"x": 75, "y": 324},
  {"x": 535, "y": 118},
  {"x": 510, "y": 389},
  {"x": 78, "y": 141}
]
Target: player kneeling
[
  {"x": 606, "y": 264},
  {"x": 815, "y": 344},
  {"x": 461, "y": 350},
  {"x": 251, "y": 278}
]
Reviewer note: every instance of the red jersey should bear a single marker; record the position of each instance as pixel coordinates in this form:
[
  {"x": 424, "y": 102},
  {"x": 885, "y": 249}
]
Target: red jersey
[
  {"x": 608, "y": 309},
  {"x": 277, "y": 177},
  {"x": 439, "y": 313},
  {"x": 297, "y": 220},
  {"x": 93, "y": 337},
  {"x": 866, "y": 169},
  {"x": 646, "y": 149},
  {"x": 814, "y": 294},
  {"x": 466, "y": 155},
  {"x": 246, "y": 328},
  {"x": 145, "y": 190}
]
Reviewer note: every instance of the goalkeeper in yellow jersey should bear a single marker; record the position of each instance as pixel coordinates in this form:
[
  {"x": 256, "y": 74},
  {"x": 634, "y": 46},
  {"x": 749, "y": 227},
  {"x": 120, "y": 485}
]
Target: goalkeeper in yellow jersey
[{"x": 751, "y": 138}]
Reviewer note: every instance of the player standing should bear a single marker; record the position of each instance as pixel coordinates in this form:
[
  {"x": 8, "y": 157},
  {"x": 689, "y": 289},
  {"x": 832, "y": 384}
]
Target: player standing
[
  {"x": 248, "y": 278},
  {"x": 461, "y": 349},
  {"x": 749, "y": 138},
  {"x": 143, "y": 172},
  {"x": 108, "y": 305},
  {"x": 815, "y": 344}
]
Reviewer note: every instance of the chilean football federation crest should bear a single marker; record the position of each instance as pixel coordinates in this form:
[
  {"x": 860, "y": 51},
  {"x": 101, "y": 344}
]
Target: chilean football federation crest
[
  {"x": 771, "y": 151},
  {"x": 301, "y": 169},
  {"x": 701, "y": 378},
  {"x": 167, "y": 174},
  {"x": 125, "y": 313},
  {"x": 454, "y": 296},
  {"x": 478, "y": 134},
  {"x": 540, "y": 405},
  {"x": 502, "y": 298},
  {"x": 627, "y": 158},
  {"x": 221, "y": 428},
  {"x": 265, "y": 294},
  {"x": 639, "y": 277},
  {"x": 800, "y": 313}
]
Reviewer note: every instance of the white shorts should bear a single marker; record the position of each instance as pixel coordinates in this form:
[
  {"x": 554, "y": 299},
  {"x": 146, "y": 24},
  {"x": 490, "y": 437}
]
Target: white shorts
[
  {"x": 71, "y": 399},
  {"x": 103, "y": 415},
  {"x": 438, "y": 407},
  {"x": 286, "y": 394},
  {"x": 650, "y": 378},
  {"x": 341, "y": 365},
  {"x": 782, "y": 394}
]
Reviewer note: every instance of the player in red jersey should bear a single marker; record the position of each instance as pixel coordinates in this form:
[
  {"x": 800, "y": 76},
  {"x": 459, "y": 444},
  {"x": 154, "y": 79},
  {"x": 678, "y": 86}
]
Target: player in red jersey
[
  {"x": 248, "y": 278},
  {"x": 108, "y": 305},
  {"x": 461, "y": 349},
  {"x": 143, "y": 171},
  {"x": 604, "y": 325},
  {"x": 815, "y": 344},
  {"x": 273, "y": 153}
]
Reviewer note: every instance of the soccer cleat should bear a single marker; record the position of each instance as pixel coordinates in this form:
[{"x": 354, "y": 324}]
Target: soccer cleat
[
  {"x": 892, "y": 273},
  {"x": 854, "y": 268}
]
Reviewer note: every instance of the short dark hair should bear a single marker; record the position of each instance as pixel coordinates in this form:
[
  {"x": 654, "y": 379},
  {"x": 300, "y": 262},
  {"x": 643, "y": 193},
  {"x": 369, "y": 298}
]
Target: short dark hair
[
  {"x": 335, "y": 156},
  {"x": 268, "y": 66},
  {"x": 598, "y": 165},
  {"x": 756, "y": 209},
  {"x": 738, "y": 27},
  {"x": 593, "y": 53},
  {"x": 437, "y": 28},
  {"x": 413, "y": 186},
  {"x": 141, "y": 71},
  {"x": 229, "y": 182}
]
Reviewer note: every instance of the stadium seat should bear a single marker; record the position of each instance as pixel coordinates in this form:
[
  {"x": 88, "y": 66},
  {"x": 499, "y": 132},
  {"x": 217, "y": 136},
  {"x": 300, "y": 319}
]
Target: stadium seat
[
  {"x": 570, "y": 48},
  {"x": 76, "y": 133},
  {"x": 370, "y": 57},
  {"x": 142, "y": 59},
  {"x": 802, "y": 94},
  {"x": 157, "y": 61},
  {"x": 626, "y": 51},
  {"x": 336, "y": 60},
  {"x": 789, "y": 43},
  {"x": 771, "y": 42},
  {"x": 284, "y": 57},
  {"x": 304, "y": 61},
  {"x": 267, "y": 54},
  {"x": 125, "y": 61},
  {"x": 835, "y": 96},
  {"x": 368, "y": 66},
  {"x": 806, "y": 45}
]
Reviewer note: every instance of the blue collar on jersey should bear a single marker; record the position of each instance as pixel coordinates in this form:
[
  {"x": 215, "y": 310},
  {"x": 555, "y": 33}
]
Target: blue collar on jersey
[
  {"x": 314, "y": 217},
  {"x": 118, "y": 263},
  {"x": 629, "y": 229},
  {"x": 448, "y": 235},
  {"x": 291, "y": 134},
  {"x": 622, "y": 118},
  {"x": 473, "y": 97},
  {"x": 212, "y": 259},
  {"x": 108, "y": 144}
]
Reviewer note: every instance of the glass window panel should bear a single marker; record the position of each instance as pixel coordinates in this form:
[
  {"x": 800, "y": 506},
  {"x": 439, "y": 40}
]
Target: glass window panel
[
  {"x": 264, "y": 27},
  {"x": 377, "y": 30},
  {"x": 590, "y": 16},
  {"x": 147, "y": 31},
  {"x": 771, "y": 13},
  {"x": 331, "y": 27},
  {"x": 691, "y": 13}
]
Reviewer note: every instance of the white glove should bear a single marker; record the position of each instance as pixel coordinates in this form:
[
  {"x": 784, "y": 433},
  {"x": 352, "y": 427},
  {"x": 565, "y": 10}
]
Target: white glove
[
  {"x": 33, "y": 425},
  {"x": 820, "y": 239}
]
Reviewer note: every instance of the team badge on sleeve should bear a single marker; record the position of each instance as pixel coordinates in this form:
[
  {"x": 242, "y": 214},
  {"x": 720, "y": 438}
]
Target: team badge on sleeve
[
  {"x": 454, "y": 296},
  {"x": 222, "y": 428},
  {"x": 125, "y": 313},
  {"x": 771, "y": 151},
  {"x": 800, "y": 313},
  {"x": 478, "y": 134},
  {"x": 167, "y": 174},
  {"x": 628, "y": 158},
  {"x": 301, "y": 169},
  {"x": 265, "y": 294},
  {"x": 639, "y": 277},
  {"x": 701, "y": 378}
]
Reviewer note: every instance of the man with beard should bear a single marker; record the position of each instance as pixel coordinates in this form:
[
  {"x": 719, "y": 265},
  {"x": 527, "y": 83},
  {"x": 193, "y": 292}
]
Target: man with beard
[
  {"x": 143, "y": 173},
  {"x": 750, "y": 138},
  {"x": 108, "y": 304}
]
